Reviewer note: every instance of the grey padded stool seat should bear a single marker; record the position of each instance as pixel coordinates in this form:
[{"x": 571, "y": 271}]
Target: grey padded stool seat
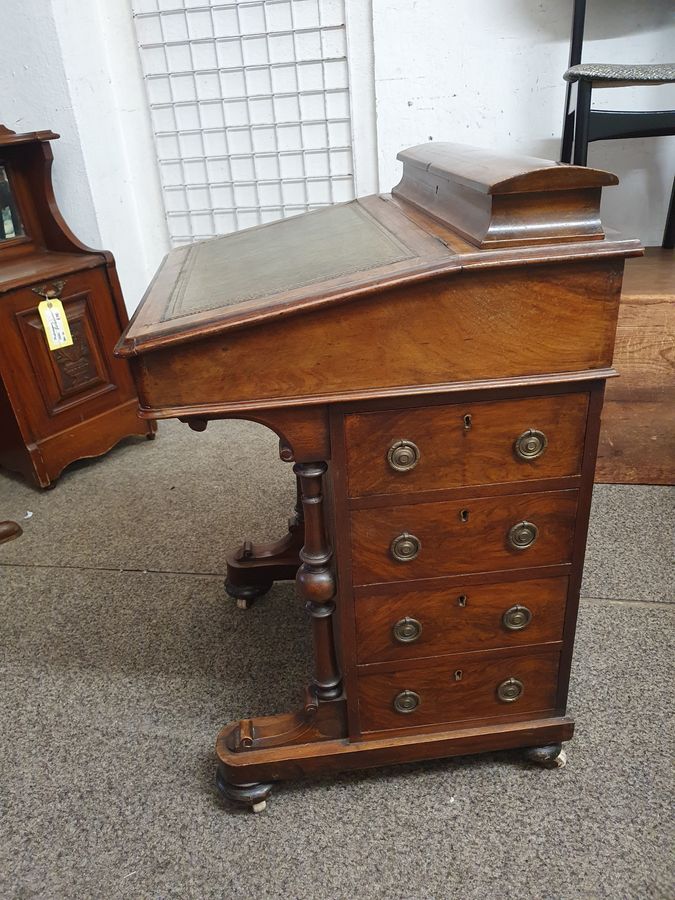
[
  {"x": 620, "y": 75},
  {"x": 581, "y": 124}
]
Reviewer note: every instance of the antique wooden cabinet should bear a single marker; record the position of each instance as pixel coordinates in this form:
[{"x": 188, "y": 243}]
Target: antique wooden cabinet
[
  {"x": 58, "y": 405},
  {"x": 433, "y": 362}
]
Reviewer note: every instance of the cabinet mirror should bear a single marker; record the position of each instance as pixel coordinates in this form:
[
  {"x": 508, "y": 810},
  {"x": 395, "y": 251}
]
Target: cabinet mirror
[{"x": 11, "y": 226}]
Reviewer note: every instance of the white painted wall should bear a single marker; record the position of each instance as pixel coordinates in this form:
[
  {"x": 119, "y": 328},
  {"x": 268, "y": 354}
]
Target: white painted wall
[
  {"x": 361, "y": 61},
  {"x": 34, "y": 96},
  {"x": 73, "y": 67},
  {"x": 489, "y": 72}
]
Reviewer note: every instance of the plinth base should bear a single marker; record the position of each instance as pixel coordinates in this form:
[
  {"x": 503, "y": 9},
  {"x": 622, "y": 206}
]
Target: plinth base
[{"x": 248, "y": 768}]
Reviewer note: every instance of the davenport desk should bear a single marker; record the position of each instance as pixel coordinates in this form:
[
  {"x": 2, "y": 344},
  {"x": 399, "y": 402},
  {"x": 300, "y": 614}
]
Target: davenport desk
[{"x": 434, "y": 363}]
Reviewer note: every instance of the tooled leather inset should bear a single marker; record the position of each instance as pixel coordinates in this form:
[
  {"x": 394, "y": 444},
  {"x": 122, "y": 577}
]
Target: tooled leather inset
[{"x": 299, "y": 251}]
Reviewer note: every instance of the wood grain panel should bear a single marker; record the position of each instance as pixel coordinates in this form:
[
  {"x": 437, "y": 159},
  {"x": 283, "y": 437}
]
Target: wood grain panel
[
  {"x": 457, "y": 618},
  {"x": 486, "y": 325},
  {"x": 445, "y": 699},
  {"x": 450, "y": 546},
  {"x": 453, "y": 455}
]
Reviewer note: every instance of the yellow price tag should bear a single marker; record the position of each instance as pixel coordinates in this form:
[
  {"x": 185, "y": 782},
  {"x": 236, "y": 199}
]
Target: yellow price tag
[{"x": 55, "y": 323}]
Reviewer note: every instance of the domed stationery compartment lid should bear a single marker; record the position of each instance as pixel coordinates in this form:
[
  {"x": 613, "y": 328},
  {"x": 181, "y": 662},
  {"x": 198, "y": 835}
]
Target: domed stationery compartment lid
[{"x": 497, "y": 200}]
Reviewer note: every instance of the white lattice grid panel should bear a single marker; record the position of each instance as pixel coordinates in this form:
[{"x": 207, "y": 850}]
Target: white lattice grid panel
[{"x": 250, "y": 109}]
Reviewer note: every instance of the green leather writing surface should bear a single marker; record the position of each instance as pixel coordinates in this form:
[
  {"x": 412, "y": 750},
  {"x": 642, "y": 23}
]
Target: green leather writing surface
[{"x": 279, "y": 257}]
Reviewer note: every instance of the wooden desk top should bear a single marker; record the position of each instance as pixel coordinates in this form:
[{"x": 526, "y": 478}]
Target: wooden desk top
[{"x": 456, "y": 208}]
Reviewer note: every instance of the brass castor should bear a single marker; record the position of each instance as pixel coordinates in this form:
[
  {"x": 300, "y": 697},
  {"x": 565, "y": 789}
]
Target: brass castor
[
  {"x": 252, "y": 795},
  {"x": 246, "y": 594},
  {"x": 550, "y": 757}
]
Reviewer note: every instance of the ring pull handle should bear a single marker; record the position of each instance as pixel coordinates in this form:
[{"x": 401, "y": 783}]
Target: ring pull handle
[
  {"x": 510, "y": 690},
  {"x": 522, "y": 535},
  {"x": 405, "y": 547},
  {"x": 406, "y": 702},
  {"x": 407, "y": 630},
  {"x": 530, "y": 444},
  {"x": 403, "y": 456},
  {"x": 516, "y": 618}
]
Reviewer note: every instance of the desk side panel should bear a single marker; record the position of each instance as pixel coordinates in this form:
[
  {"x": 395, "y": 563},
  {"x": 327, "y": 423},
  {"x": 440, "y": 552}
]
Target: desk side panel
[{"x": 477, "y": 325}]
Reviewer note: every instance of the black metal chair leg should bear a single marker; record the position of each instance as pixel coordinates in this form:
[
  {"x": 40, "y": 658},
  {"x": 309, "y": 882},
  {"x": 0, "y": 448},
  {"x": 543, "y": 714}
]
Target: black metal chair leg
[
  {"x": 582, "y": 117},
  {"x": 576, "y": 45},
  {"x": 568, "y": 130}
]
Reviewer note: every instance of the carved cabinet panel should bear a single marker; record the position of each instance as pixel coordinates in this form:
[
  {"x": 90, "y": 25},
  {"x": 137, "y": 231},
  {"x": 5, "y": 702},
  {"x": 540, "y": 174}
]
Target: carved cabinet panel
[
  {"x": 57, "y": 383},
  {"x": 70, "y": 375}
]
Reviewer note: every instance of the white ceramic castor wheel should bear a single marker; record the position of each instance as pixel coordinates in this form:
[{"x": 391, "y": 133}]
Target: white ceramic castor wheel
[
  {"x": 560, "y": 760},
  {"x": 246, "y": 594},
  {"x": 551, "y": 757},
  {"x": 254, "y": 795}
]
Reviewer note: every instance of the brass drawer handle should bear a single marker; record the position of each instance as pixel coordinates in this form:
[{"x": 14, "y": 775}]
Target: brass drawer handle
[
  {"x": 522, "y": 535},
  {"x": 405, "y": 547},
  {"x": 510, "y": 690},
  {"x": 517, "y": 618},
  {"x": 406, "y": 702},
  {"x": 49, "y": 291},
  {"x": 530, "y": 444},
  {"x": 403, "y": 456},
  {"x": 407, "y": 631}
]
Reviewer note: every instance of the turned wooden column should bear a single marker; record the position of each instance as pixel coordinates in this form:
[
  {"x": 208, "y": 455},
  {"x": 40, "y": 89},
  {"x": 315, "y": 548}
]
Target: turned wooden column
[
  {"x": 298, "y": 510},
  {"x": 315, "y": 580}
]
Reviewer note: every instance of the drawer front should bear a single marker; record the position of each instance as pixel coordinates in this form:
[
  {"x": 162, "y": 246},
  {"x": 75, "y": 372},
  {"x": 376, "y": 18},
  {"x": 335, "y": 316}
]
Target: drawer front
[
  {"x": 451, "y": 446},
  {"x": 455, "y": 619},
  {"x": 453, "y": 692},
  {"x": 455, "y": 537}
]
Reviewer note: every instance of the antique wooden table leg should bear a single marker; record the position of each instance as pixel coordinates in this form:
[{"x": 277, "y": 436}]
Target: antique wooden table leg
[
  {"x": 253, "y": 568},
  {"x": 322, "y": 716},
  {"x": 315, "y": 581}
]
